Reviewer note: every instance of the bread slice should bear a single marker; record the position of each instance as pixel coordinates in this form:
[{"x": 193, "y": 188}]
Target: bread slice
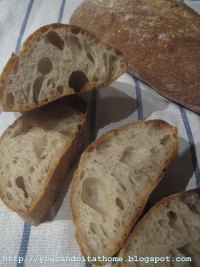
[
  {"x": 35, "y": 154},
  {"x": 55, "y": 61},
  {"x": 170, "y": 229},
  {"x": 160, "y": 41},
  {"x": 114, "y": 179}
]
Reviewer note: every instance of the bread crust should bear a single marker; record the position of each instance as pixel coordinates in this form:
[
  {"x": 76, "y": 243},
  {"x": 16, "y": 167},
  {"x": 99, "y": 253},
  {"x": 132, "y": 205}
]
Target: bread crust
[
  {"x": 159, "y": 204},
  {"x": 132, "y": 221},
  {"x": 160, "y": 42},
  {"x": 33, "y": 38},
  {"x": 58, "y": 170}
]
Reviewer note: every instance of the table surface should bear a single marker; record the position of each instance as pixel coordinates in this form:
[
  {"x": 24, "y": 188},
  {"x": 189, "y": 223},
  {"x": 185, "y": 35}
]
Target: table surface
[{"x": 130, "y": 99}]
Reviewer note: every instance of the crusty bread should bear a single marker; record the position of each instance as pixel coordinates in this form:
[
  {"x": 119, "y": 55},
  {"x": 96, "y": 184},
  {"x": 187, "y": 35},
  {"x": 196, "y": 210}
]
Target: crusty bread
[
  {"x": 55, "y": 61},
  {"x": 171, "y": 228},
  {"x": 160, "y": 41},
  {"x": 115, "y": 176},
  {"x": 35, "y": 154}
]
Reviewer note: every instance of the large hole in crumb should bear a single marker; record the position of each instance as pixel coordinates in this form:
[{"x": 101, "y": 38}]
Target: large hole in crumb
[
  {"x": 78, "y": 81},
  {"x": 127, "y": 155},
  {"x": 93, "y": 194},
  {"x": 53, "y": 38},
  {"x": 119, "y": 203},
  {"x": 90, "y": 57},
  {"x": 37, "y": 88},
  {"x": 45, "y": 65},
  {"x": 165, "y": 140},
  {"x": 172, "y": 216},
  {"x": 20, "y": 183}
]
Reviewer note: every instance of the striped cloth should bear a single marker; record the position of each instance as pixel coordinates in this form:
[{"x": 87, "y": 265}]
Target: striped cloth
[{"x": 124, "y": 101}]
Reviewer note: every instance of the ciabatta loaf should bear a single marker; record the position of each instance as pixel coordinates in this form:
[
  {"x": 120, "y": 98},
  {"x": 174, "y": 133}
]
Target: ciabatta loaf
[
  {"x": 160, "y": 40},
  {"x": 55, "y": 61},
  {"x": 36, "y": 153},
  {"x": 114, "y": 179},
  {"x": 169, "y": 231}
]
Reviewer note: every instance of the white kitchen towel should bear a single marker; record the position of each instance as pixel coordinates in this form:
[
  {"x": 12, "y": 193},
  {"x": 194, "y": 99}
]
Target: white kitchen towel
[{"x": 52, "y": 243}]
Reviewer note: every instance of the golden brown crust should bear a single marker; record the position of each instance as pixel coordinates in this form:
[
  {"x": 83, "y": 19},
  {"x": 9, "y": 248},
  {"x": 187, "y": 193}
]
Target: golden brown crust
[
  {"x": 160, "y": 42},
  {"x": 160, "y": 124},
  {"x": 33, "y": 38},
  {"x": 58, "y": 170}
]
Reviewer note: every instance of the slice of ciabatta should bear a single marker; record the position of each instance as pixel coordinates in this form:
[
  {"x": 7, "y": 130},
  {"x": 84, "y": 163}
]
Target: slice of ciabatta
[
  {"x": 169, "y": 231},
  {"x": 114, "y": 179},
  {"x": 36, "y": 153},
  {"x": 55, "y": 61}
]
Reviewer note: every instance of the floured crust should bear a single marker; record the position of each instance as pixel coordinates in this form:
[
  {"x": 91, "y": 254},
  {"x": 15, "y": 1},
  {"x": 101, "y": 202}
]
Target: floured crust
[
  {"x": 34, "y": 212},
  {"x": 184, "y": 205},
  {"x": 47, "y": 51},
  {"x": 131, "y": 218},
  {"x": 160, "y": 41}
]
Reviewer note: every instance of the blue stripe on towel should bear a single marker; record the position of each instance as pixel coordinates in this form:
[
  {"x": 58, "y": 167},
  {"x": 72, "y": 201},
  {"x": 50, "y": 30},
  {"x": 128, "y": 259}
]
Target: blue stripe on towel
[
  {"x": 24, "y": 244},
  {"x": 191, "y": 144},
  {"x": 138, "y": 99},
  {"x": 195, "y": 162},
  {"x": 88, "y": 264},
  {"x": 62, "y": 7},
  {"x": 23, "y": 27},
  {"x": 27, "y": 227}
]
